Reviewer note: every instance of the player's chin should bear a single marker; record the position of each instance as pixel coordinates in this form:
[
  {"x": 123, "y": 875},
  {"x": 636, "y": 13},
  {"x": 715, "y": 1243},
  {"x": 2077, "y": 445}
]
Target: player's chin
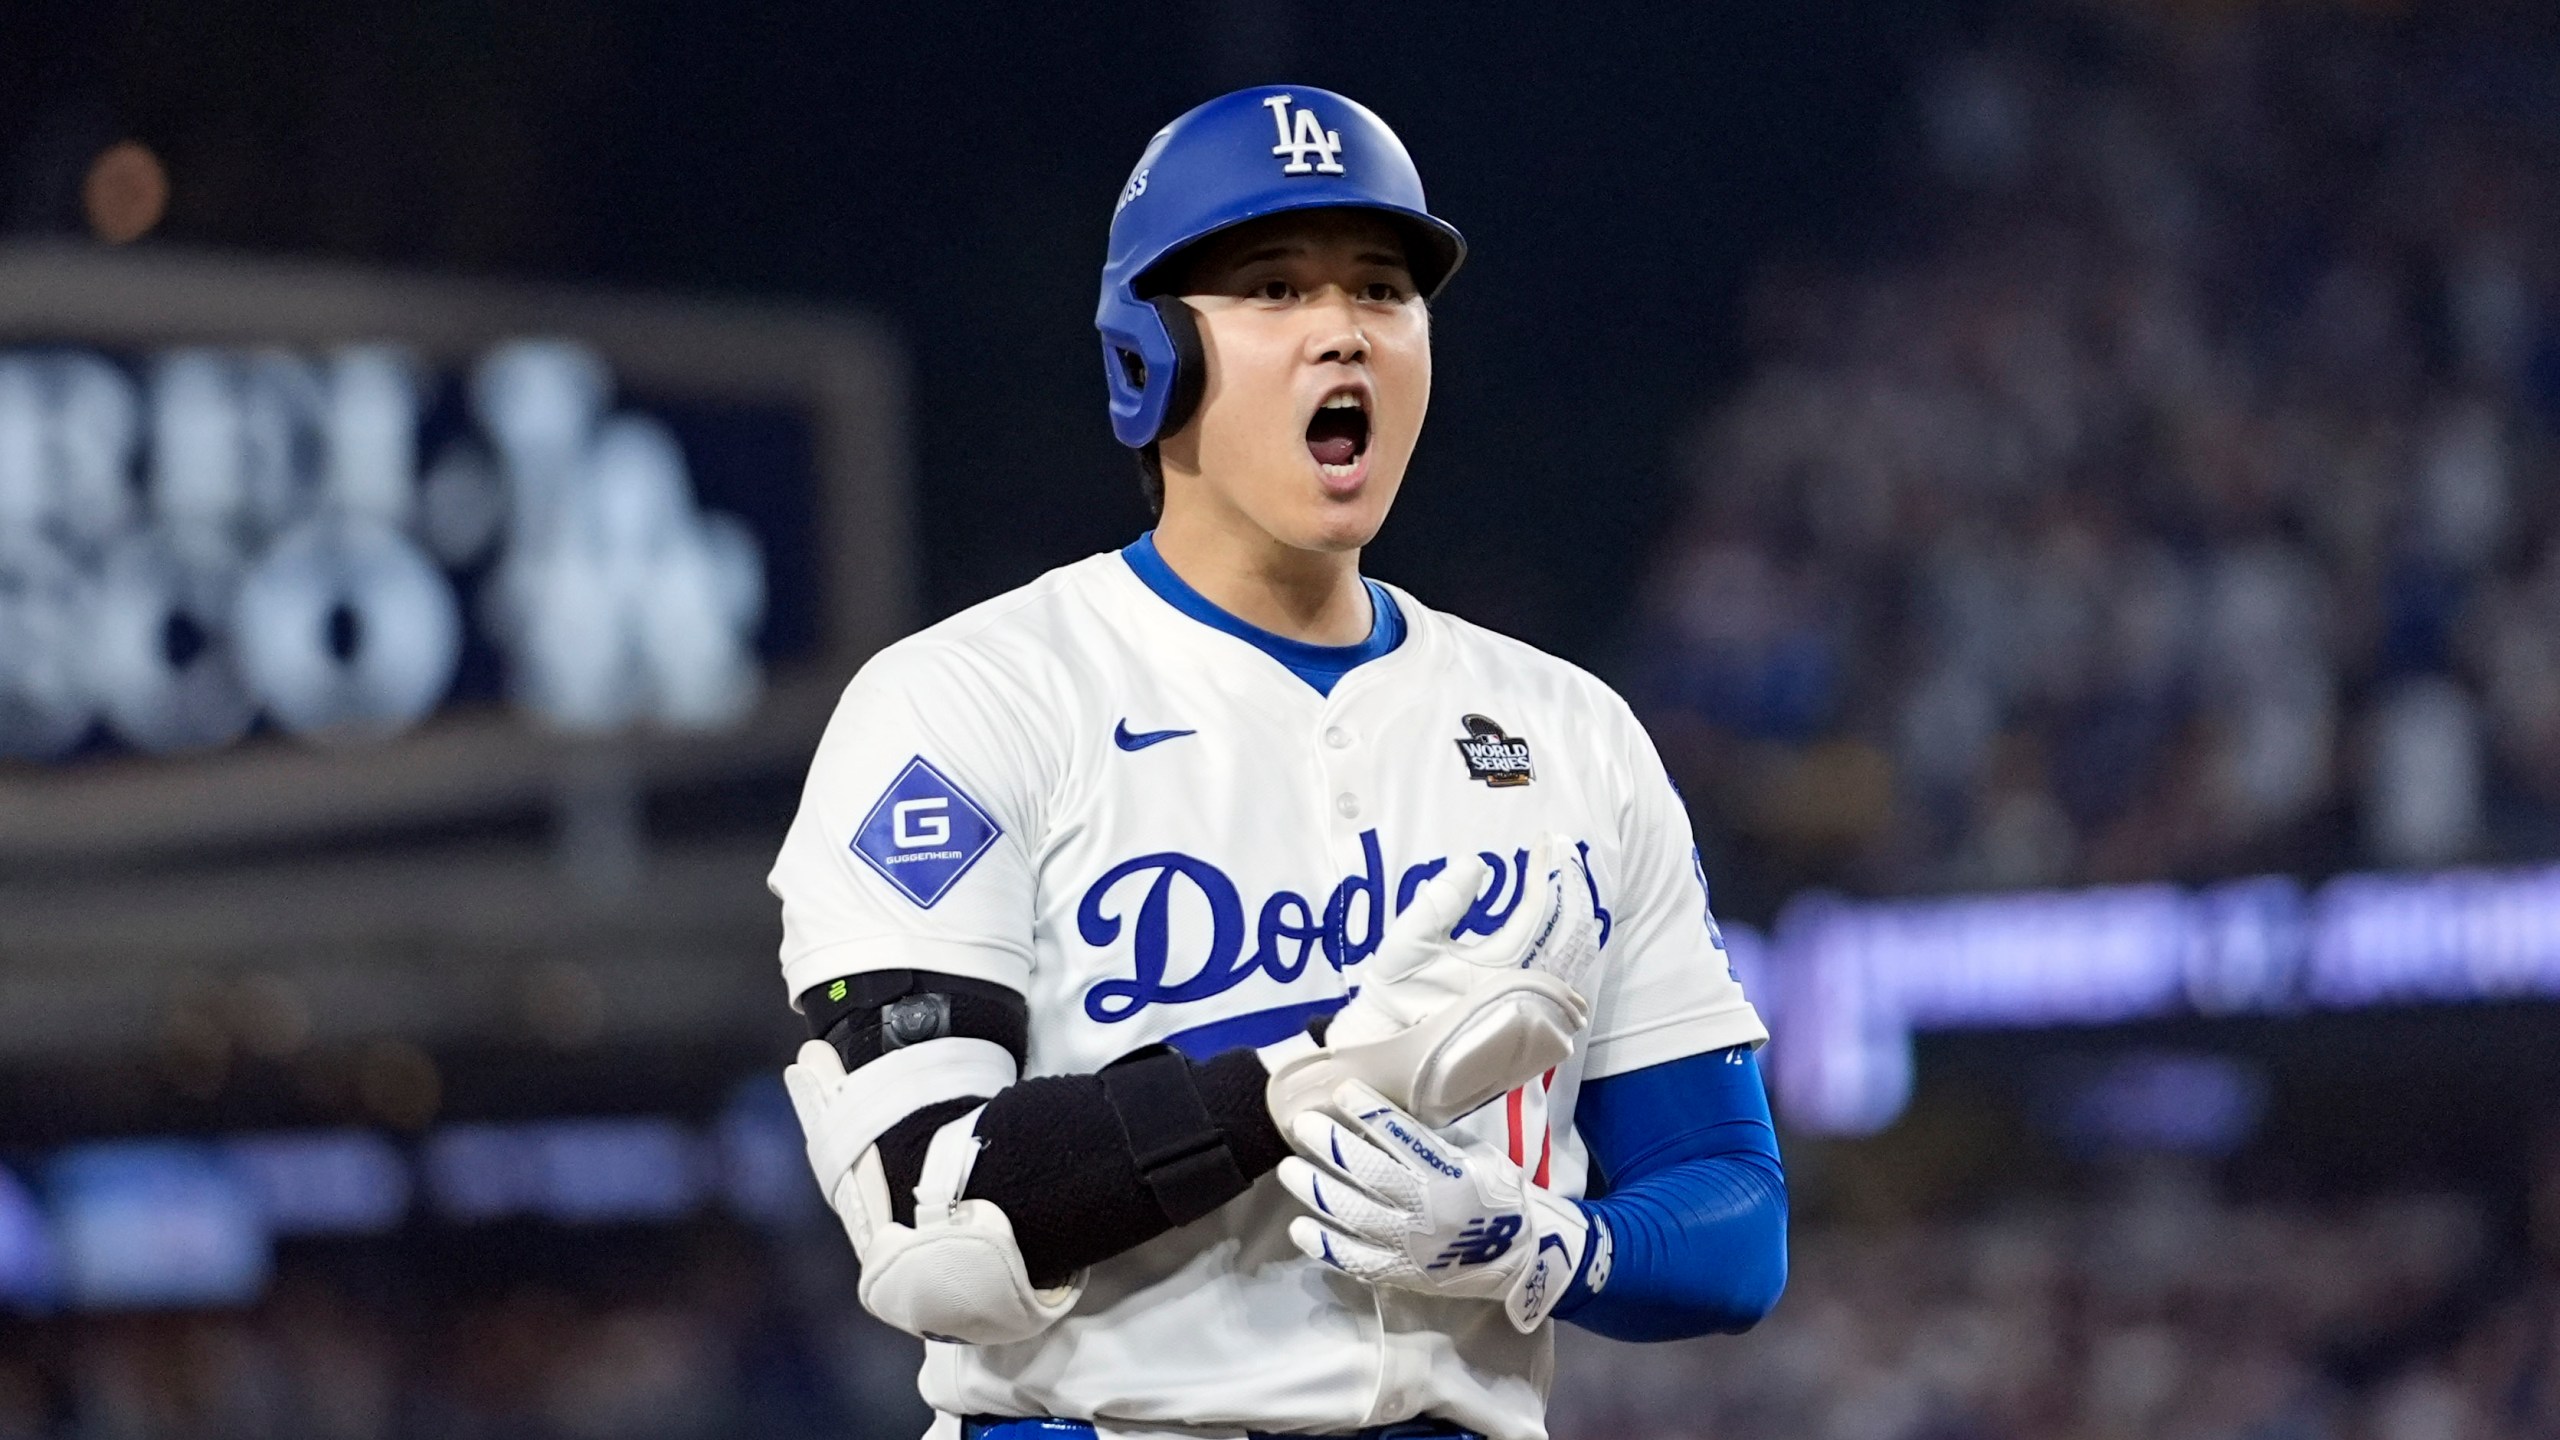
[{"x": 1346, "y": 521}]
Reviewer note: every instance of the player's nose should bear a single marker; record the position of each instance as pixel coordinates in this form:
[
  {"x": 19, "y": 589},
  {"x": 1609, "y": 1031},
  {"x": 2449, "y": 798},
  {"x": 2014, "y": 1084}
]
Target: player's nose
[{"x": 1334, "y": 336}]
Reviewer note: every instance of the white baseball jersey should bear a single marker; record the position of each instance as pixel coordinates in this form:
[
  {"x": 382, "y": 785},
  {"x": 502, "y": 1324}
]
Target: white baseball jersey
[{"x": 1157, "y": 832}]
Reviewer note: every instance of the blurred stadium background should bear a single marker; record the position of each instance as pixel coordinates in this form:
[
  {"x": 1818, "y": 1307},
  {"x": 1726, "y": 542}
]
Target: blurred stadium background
[{"x": 2070, "y": 483}]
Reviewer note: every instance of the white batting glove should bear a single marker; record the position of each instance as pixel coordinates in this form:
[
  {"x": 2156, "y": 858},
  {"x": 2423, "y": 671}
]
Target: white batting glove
[
  {"x": 1439, "y": 1027},
  {"x": 1395, "y": 1204}
]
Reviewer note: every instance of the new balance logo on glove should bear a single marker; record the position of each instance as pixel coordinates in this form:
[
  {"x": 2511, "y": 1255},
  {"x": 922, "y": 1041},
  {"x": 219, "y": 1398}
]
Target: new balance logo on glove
[{"x": 1487, "y": 1238}]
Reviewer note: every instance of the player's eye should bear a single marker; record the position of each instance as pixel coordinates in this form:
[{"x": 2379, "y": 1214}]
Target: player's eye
[
  {"x": 1382, "y": 292},
  {"x": 1274, "y": 289}
]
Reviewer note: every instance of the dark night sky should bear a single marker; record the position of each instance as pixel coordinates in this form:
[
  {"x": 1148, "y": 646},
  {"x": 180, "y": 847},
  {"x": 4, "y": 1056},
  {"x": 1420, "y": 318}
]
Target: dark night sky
[{"x": 1619, "y": 170}]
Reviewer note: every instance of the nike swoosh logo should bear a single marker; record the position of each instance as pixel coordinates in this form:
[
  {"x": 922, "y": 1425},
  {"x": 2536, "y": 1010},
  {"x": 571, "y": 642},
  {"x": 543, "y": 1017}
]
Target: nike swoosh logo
[{"x": 1144, "y": 738}]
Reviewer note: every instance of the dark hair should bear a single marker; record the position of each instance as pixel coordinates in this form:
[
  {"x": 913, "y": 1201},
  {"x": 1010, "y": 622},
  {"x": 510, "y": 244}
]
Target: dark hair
[{"x": 1151, "y": 479}]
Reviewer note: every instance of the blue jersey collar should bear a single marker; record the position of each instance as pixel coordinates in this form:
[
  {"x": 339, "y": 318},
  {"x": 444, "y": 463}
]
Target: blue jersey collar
[{"x": 1321, "y": 666}]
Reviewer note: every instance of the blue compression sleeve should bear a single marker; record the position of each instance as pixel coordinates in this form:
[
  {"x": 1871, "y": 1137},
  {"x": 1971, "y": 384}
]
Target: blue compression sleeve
[{"x": 1696, "y": 1207}]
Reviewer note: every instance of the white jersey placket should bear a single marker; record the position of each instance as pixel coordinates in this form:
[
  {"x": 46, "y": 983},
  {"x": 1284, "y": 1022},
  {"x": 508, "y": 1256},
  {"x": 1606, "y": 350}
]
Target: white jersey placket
[{"x": 1352, "y": 756}]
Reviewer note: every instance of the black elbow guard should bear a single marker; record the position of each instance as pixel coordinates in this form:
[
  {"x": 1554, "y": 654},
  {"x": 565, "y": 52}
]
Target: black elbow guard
[{"x": 868, "y": 1015}]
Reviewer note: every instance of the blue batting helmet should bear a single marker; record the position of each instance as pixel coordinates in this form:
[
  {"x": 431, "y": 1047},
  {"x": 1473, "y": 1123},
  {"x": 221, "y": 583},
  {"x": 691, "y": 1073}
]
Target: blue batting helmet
[{"x": 1237, "y": 158}]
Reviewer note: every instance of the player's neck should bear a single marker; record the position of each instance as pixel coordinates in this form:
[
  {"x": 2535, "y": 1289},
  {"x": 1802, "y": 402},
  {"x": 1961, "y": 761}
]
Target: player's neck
[{"x": 1306, "y": 595}]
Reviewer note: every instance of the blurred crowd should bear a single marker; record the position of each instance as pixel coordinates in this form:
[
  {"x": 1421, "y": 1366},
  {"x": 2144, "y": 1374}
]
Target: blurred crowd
[
  {"x": 2167, "y": 485},
  {"x": 2164, "y": 1313},
  {"x": 646, "y": 1332}
]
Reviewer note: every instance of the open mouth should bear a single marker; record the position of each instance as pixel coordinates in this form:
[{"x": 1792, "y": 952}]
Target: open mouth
[{"x": 1338, "y": 435}]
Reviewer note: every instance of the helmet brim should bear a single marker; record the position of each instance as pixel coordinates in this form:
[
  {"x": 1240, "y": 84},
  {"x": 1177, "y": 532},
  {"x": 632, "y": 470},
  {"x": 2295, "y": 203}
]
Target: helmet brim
[{"x": 1433, "y": 248}]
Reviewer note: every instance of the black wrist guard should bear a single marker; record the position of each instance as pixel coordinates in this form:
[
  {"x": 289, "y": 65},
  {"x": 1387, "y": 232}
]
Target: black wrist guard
[
  {"x": 1178, "y": 1147},
  {"x": 1088, "y": 1166}
]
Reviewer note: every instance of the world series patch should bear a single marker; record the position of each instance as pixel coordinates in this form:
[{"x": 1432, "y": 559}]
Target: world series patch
[{"x": 1499, "y": 760}]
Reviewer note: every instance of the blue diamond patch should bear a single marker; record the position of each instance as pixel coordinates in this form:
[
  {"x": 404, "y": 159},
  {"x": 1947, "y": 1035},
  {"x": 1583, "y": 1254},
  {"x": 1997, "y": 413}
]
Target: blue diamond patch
[{"x": 924, "y": 834}]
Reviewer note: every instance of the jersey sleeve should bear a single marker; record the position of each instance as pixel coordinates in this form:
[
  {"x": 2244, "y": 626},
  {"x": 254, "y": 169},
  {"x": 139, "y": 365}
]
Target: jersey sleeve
[
  {"x": 1668, "y": 989},
  {"x": 913, "y": 842}
]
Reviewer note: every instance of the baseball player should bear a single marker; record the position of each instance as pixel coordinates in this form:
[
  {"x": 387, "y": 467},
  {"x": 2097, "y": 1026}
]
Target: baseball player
[{"x": 1247, "y": 1000}]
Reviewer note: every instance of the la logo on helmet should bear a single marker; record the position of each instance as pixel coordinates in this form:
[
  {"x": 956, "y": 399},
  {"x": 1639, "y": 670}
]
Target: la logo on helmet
[{"x": 1307, "y": 137}]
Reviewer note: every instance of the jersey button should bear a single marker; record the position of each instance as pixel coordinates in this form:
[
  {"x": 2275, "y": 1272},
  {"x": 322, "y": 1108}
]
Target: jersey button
[
  {"x": 1337, "y": 737},
  {"x": 1347, "y": 806}
]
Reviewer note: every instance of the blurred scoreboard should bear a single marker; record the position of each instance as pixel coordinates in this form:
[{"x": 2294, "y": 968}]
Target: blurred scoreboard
[{"x": 291, "y": 549}]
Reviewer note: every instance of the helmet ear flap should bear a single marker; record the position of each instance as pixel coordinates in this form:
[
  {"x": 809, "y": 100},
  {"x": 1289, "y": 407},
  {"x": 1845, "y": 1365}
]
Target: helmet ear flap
[{"x": 1190, "y": 363}]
